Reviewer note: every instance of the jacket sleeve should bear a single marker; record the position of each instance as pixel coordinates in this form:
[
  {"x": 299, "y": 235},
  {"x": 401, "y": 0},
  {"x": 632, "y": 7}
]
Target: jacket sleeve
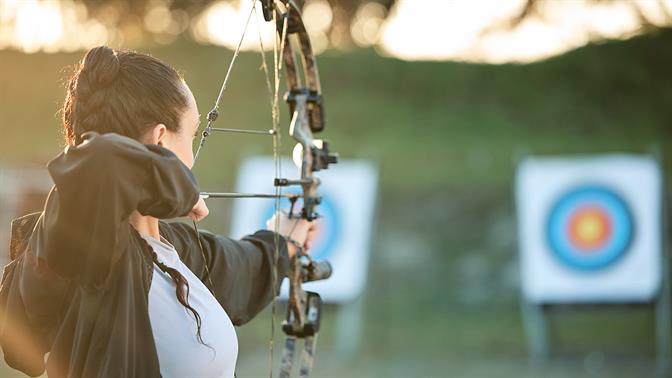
[
  {"x": 98, "y": 184},
  {"x": 241, "y": 271}
]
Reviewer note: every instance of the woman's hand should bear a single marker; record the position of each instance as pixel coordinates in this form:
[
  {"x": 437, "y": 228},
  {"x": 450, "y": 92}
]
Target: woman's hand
[
  {"x": 199, "y": 212},
  {"x": 297, "y": 229}
]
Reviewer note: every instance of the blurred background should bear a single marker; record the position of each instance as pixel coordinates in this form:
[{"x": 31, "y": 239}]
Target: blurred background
[{"x": 444, "y": 97}]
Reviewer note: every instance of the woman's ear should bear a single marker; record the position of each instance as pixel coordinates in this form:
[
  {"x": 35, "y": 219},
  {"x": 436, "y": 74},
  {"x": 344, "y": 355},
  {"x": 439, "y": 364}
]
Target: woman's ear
[{"x": 156, "y": 134}]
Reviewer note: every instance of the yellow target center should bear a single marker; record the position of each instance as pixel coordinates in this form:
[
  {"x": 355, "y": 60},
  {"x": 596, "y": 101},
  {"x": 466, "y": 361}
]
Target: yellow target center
[{"x": 590, "y": 228}]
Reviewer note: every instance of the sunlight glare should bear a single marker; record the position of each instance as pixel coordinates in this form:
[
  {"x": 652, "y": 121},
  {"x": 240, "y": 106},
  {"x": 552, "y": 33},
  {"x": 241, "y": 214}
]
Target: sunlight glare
[
  {"x": 655, "y": 11},
  {"x": 38, "y": 24},
  {"x": 158, "y": 18},
  {"x": 473, "y": 31},
  {"x": 461, "y": 30},
  {"x": 223, "y": 23},
  {"x": 365, "y": 28},
  {"x": 50, "y": 26},
  {"x": 437, "y": 29},
  {"x": 317, "y": 16}
]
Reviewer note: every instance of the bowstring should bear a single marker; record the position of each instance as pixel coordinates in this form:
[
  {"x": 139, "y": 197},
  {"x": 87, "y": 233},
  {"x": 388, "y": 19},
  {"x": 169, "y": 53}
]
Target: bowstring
[
  {"x": 235, "y": 55},
  {"x": 278, "y": 52},
  {"x": 236, "y": 52},
  {"x": 207, "y": 128},
  {"x": 276, "y": 143},
  {"x": 278, "y": 172},
  {"x": 264, "y": 64}
]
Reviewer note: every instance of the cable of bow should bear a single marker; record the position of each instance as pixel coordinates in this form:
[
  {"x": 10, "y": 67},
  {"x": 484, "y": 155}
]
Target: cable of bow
[{"x": 307, "y": 117}]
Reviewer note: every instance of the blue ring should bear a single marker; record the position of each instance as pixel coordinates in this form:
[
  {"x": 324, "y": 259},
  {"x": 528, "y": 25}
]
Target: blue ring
[
  {"x": 612, "y": 251},
  {"x": 325, "y": 249}
]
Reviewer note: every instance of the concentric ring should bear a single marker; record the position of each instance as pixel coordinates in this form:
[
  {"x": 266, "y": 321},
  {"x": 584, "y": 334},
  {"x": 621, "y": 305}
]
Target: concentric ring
[{"x": 589, "y": 228}]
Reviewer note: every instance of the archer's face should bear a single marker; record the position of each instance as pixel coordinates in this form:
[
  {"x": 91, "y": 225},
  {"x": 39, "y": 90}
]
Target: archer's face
[{"x": 181, "y": 142}]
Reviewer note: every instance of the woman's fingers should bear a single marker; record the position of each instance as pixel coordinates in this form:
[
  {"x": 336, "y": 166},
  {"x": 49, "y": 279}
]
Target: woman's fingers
[
  {"x": 297, "y": 229},
  {"x": 294, "y": 228},
  {"x": 313, "y": 230},
  {"x": 199, "y": 212}
]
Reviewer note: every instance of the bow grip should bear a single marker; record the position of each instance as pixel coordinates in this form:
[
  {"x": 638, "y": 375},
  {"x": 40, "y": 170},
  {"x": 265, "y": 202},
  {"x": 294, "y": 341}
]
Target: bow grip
[{"x": 312, "y": 313}]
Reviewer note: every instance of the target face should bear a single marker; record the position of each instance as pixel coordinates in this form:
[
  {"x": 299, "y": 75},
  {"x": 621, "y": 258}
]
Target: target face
[
  {"x": 589, "y": 228},
  {"x": 343, "y": 225}
]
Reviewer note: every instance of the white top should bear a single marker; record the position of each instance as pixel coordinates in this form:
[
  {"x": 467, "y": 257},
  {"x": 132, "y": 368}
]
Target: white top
[{"x": 174, "y": 327}]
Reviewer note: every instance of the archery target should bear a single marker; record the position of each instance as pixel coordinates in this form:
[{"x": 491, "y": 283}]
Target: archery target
[
  {"x": 590, "y": 228},
  {"x": 345, "y": 219}
]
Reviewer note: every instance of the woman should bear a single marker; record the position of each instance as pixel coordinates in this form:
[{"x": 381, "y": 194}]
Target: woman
[{"x": 97, "y": 280}]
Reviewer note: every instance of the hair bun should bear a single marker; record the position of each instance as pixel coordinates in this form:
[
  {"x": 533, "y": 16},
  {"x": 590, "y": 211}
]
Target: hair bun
[{"x": 100, "y": 66}]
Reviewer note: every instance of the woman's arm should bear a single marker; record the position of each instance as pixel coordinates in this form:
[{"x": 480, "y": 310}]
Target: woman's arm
[
  {"x": 241, "y": 271},
  {"x": 98, "y": 184}
]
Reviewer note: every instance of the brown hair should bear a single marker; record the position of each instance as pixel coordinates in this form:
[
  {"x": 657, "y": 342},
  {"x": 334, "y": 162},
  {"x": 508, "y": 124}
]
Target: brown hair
[
  {"x": 126, "y": 92},
  {"x": 181, "y": 291}
]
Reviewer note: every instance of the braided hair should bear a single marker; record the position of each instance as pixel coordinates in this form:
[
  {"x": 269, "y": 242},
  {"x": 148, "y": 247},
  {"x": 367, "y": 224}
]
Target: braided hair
[
  {"x": 181, "y": 290},
  {"x": 127, "y": 93}
]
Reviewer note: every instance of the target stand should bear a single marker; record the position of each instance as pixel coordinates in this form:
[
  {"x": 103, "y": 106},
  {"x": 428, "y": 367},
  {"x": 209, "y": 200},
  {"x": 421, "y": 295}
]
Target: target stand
[{"x": 591, "y": 235}]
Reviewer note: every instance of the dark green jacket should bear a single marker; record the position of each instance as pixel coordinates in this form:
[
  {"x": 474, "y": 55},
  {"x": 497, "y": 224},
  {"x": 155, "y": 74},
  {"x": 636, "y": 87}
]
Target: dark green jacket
[{"x": 78, "y": 282}]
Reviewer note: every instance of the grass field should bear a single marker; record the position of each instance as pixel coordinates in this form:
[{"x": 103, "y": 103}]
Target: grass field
[{"x": 442, "y": 298}]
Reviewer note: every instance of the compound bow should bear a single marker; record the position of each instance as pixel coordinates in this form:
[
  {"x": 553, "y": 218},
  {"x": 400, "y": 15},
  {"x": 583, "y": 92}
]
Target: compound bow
[{"x": 307, "y": 117}]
